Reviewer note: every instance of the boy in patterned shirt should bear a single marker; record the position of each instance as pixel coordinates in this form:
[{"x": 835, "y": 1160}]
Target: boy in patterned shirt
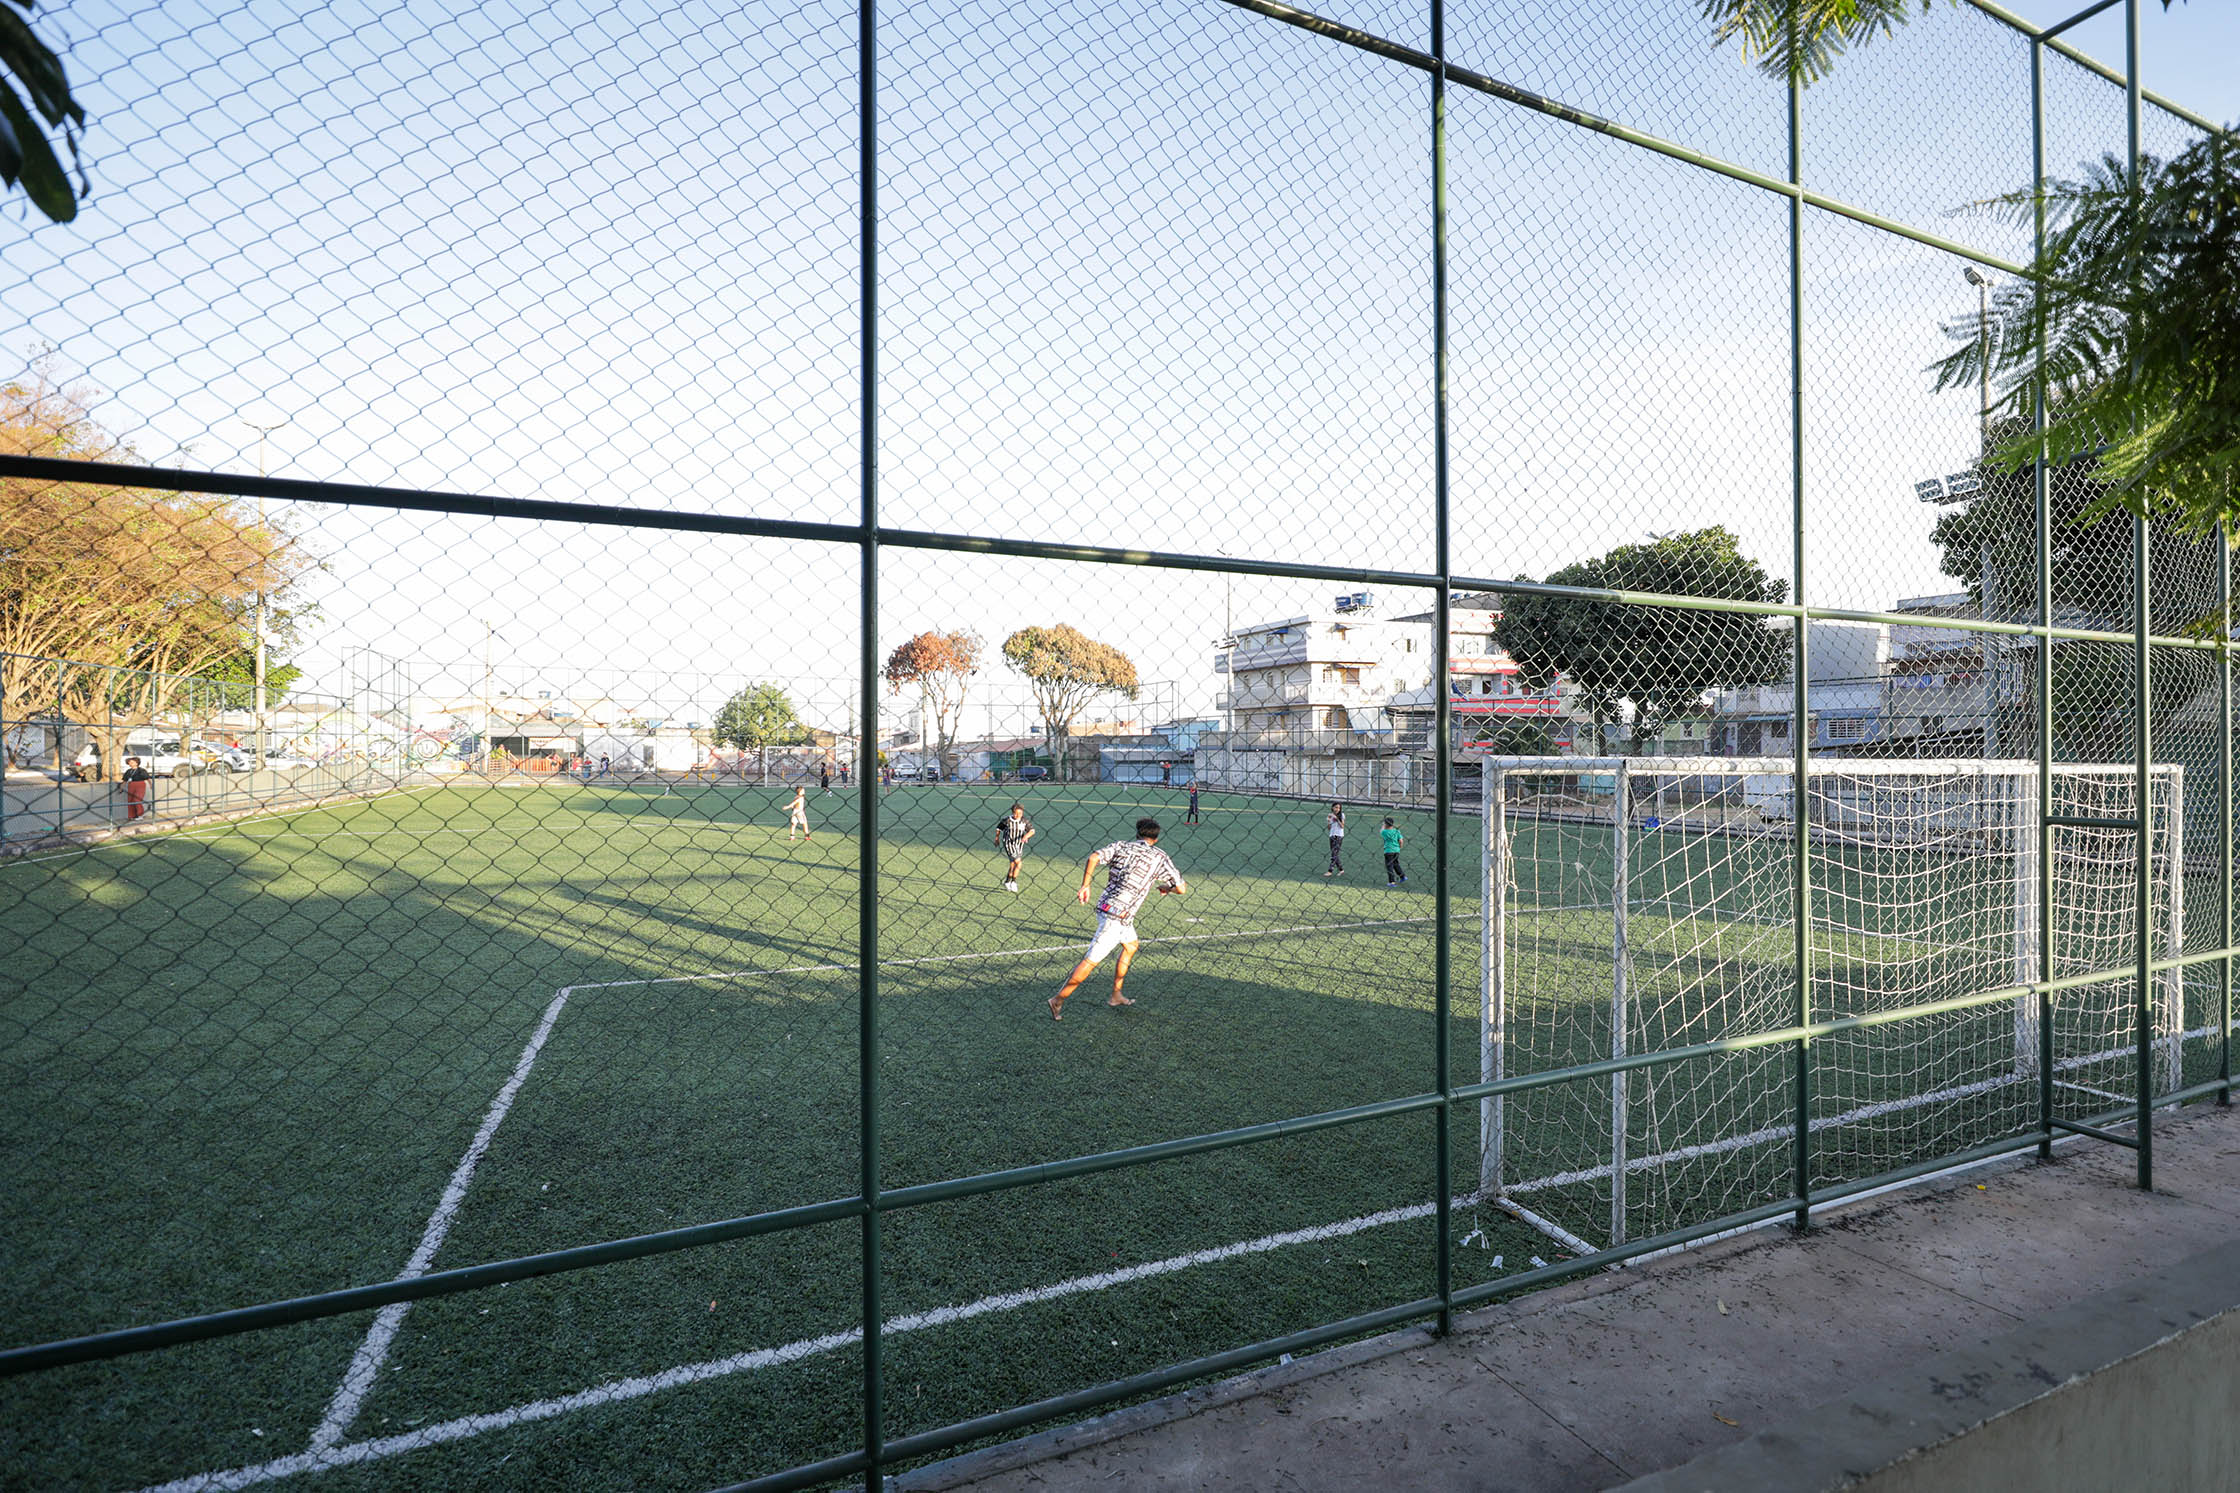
[
  {"x": 1138, "y": 867},
  {"x": 1013, "y": 831}
]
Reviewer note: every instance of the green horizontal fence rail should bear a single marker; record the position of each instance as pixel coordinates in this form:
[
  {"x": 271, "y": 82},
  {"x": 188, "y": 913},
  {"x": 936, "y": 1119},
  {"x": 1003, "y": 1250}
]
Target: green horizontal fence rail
[{"x": 868, "y": 537}]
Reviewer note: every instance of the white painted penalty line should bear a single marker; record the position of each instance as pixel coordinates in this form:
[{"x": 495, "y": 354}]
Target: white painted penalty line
[
  {"x": 329, "y": 1456},
  {"x": 365, "y": 1364}
]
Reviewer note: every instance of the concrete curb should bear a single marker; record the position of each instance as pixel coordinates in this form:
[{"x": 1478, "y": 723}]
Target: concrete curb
[
  {"x": 1904, "y": 1432},
  {"x": 1011, "y": 1462},
  {"x": 971, "y": 1467}
]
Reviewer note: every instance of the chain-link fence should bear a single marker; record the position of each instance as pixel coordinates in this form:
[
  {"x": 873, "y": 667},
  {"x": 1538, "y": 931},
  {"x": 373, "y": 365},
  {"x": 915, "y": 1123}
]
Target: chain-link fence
[{"x": 684, "y": 578}]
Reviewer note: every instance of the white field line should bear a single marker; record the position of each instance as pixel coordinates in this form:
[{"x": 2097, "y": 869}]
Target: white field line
[
  {"x": 2085, "y": 1088},
  {"x": 365, "y": 1365},
  {"x": 327, "y": 1450},
  {"x": 1054, "y": 948},
  {"x": 325, "y": 1458}
]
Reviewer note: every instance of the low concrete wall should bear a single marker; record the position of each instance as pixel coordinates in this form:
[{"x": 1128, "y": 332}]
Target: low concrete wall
[
  {"x": 41, "y": 812},
  {"x": 2167, "y": 1417},
  {"x": 2138, "y": 1387}
]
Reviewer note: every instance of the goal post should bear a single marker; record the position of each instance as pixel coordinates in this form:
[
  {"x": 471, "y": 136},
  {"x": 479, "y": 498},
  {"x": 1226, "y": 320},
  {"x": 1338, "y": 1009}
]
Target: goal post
[{"x": 1632, "y": 904}]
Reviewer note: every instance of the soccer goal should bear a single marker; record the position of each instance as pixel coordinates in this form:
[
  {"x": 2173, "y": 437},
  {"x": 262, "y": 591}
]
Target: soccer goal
[{"x": 1640, "y": 904}]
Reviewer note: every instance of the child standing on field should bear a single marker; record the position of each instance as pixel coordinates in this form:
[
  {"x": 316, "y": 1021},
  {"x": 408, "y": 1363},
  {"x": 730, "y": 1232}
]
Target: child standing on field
[
  {"x": 797, "y": 814},
  {"x": 1337, "y": 838},
  {"x": 1393, "y": 840}
]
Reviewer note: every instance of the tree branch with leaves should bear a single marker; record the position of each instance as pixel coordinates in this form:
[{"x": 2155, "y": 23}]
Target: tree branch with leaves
[
  {"x": 1066, "y": 669},
  {"x": 35, "y": 97},
  {"x": 1649, "y": 663},
  {"x": 941, "y": 665},
  {"x": 759, "y": 715}
]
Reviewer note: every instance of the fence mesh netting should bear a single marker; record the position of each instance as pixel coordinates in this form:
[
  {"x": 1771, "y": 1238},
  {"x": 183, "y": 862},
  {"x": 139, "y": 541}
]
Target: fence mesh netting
[{"x": 601, "y": 607}]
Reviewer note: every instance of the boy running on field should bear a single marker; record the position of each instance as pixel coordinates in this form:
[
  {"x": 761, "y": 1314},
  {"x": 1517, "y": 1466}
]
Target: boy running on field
[
  {"x": 797, "y": 813},
  {"x": 1393, "y": 840},
  {"x": 1137, "y": 867},
  {"x": 1013, "y": 831}
]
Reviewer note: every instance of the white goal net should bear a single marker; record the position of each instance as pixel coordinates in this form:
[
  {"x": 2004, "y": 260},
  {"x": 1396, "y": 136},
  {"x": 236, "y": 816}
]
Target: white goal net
[{"x": 1641, "y": 904}]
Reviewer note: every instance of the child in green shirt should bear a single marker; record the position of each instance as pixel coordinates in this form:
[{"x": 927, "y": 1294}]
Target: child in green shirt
[{"x": 1393, "y": 840}]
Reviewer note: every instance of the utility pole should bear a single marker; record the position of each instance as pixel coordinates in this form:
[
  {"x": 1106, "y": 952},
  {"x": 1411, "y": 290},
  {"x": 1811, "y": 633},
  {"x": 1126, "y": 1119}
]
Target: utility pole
[
  {"x": 487, "y": 708},
  {"x": 263, "y": 431}
]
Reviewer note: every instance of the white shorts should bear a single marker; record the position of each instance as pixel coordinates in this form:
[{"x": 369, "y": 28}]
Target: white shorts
[{"x": 1111, "y": 934}]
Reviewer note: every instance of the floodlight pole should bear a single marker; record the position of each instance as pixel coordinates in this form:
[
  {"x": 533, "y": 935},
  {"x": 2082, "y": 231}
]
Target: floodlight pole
[{"x": 1988, "y": 602}]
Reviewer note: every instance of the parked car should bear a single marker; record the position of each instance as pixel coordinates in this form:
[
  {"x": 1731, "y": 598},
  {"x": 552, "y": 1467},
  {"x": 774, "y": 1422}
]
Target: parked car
[
  {"x": 280, "y": 759},
  {"x": 162, "y": 758},
  {"x": 1032, "y": 774},
  {"x": 929, "y": 774},
  {"x": 230, "y": 758}
]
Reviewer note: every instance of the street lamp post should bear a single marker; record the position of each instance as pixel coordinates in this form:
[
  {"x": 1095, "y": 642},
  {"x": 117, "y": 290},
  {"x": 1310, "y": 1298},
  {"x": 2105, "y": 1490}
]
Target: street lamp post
[
  {"x": 1992, "y": 656},
  {"x": 263, "y": 431}
]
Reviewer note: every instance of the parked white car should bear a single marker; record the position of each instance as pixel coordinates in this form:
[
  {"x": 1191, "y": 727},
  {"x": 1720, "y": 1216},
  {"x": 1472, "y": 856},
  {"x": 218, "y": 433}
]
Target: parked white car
[
  {"x": 163, "y": 759},
  {"x": 231, "y": 758},
  {"x": 279, "y": 759}
]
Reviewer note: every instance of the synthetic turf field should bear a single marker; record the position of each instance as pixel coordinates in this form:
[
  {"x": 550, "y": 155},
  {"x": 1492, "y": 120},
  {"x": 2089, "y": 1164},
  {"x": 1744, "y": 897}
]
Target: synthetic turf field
[{"x": 249, "y": 1061}]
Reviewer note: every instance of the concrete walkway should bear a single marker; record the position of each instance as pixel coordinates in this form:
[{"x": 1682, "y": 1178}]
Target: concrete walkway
[{"x": 1605, "y": 1380}]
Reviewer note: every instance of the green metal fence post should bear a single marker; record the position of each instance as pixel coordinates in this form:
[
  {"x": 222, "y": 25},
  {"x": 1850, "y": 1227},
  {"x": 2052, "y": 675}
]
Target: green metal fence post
[
  {"x": 867, "y": 783},
  {"x": 2143, "y": 675},
  {"x": 1800, "y": 664},
  {"x": 2042, "y": 531},
  {"x": 1443, "y": 771},
  {"x": 2224, "y": 821}
]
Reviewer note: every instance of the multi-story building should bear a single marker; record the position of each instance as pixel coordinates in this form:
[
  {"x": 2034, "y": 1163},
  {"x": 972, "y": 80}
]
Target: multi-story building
[
  {"x": 1330, "y": 671},
  {"x": 1846, "y": 689},
  {"x": 1484, "y": 692},
  {"x": 1353, "y": 670}
]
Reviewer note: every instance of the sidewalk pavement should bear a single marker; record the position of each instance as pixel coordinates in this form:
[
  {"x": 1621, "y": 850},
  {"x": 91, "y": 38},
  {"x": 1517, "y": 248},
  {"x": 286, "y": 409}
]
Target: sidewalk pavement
[{"x": 1627, "y": 1373}]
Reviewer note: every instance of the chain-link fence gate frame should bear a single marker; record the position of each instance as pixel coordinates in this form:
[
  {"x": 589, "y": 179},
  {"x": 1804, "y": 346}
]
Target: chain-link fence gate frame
[{"x": 1450, "y": 1100}]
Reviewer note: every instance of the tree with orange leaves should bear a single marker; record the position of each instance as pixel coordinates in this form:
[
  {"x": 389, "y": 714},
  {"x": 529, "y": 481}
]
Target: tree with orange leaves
[
  {"x": 941, "y": 666},
  {"x": 115, "y": 600}
]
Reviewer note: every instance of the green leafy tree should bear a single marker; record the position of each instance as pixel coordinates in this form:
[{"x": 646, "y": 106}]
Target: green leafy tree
[
  {"x": 2133, "y": 304},
  {"x": 1514, "y": 736},
  {"x": 2136, "y": 315},
  {"x": 758, "y": 716},
  {"x": 1066, "y": 669},
  {"x": 1991, "y": 542},
  {"x": 34, "y": 98},
  {"x": 1652, "y": 662},
  {"x": 1800, "y": 40},
  {"x": 236, "y": 678}
]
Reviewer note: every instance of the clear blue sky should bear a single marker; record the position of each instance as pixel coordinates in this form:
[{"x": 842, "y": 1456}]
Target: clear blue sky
[
  {"x": 1154, "y": 274},
  {"x": 2191, "y": 52}
]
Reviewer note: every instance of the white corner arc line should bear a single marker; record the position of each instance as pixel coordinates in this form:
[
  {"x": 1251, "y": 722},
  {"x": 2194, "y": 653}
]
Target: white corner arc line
[
  {"x": 336, "y": 1455},
  {"x": 365, "y": 1364}
]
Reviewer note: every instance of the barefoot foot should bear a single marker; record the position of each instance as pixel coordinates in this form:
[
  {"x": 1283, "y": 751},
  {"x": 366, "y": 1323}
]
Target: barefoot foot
[
  {"x": 1120, "y": 1000},
  {"x": 1057, "y": 1004}
]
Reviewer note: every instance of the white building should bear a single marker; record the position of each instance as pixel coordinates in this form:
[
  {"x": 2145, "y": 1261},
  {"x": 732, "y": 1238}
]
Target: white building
[
  {"x": 1333, "y": 670},
  {"x": 1846, "y": 686}
]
